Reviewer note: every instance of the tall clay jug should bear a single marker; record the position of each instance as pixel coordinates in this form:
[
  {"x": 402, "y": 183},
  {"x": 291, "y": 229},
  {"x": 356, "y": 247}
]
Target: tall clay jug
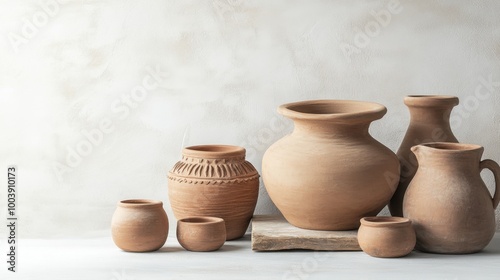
[
  {"x": 429, "y": 122},
  {"x": 330, "y": 172},
  {"x": 450, "y": 207}
]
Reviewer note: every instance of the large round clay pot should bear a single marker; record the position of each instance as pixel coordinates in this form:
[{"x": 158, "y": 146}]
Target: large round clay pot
[
  {"x": 450, "y": 207},
  {"x": 329, "y": 172},
  {"x": 139, "y": 225},
  {"x": 429, "y": 122},
  {"x": 216, "y": 181}
]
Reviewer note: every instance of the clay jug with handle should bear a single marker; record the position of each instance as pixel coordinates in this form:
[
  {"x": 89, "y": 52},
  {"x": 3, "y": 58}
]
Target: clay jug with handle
[
  {"x": 449, "y": 204},
  {"x": 429, "y": 122}
]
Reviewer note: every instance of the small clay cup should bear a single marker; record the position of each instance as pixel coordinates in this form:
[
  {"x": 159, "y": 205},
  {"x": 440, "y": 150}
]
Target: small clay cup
[
  {"x": 201, "y": 234},
  {"x": 139, "y": 225},
  {"x": 386, "y": 237}
]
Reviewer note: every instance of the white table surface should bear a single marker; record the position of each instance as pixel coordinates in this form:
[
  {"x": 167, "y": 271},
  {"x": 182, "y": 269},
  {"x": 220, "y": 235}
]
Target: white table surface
[{"x": 98, "y": 258}]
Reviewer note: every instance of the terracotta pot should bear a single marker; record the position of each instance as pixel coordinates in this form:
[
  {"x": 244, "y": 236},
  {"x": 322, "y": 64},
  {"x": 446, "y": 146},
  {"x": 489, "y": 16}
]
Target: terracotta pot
[
  {"x": 139, "y": 225},
  {"x": 386, "y": 237},
  {"x": 429, "y": 122},
  {"x": 451, "y": 208},
  {"x": 217, "y": 181},
  {"x": 329, "y": 172},
  {"x": 201, "y": 234}
]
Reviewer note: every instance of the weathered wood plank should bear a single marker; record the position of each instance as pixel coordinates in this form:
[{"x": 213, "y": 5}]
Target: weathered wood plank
[{"x": 274, "y": 233}]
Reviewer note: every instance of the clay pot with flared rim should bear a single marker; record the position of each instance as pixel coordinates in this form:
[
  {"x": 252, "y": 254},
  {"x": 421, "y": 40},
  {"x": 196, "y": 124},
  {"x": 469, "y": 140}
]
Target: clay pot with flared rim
[
  {"x": 449, "y": 204},
  {"x": 429, "y": 122},
  {"x": 215, "y": 181},
  {"x": 330, "y": 172},
  {"x": 201, "y": 234},
  {"x": 386, "y": 237},
  {"x": 139, "y": 225}
]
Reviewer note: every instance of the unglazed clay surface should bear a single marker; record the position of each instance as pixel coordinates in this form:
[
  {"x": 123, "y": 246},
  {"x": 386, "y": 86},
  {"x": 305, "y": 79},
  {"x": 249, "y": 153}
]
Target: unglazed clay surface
[
  {"x": 139, "y": 225},
  {"x": 201, "y": 234},
  {"x": 448, "y": 202},
  {"x": 215, "y": 72},
  {"x": 217, "y": 181},
  {"x": 429, "y": 122},
  {"x": 386, "y": 237},
  {"x": 329, "y": 172}
]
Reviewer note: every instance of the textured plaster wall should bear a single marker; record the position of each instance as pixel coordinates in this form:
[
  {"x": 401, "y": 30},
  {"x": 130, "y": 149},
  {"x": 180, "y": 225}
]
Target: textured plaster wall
[{"x": 154, "y": 76}]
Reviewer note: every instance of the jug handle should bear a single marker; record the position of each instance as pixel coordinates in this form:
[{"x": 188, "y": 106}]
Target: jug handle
[{"x": 495, "y": 168}]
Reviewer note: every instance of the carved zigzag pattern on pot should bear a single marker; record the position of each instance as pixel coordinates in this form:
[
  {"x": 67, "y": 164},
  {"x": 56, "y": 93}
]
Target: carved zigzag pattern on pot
[{"x": 193, "y": 170}]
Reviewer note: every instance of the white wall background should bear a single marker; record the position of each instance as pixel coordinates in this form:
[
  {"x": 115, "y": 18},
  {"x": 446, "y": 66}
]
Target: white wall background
[{"x": 226, "y": 65}]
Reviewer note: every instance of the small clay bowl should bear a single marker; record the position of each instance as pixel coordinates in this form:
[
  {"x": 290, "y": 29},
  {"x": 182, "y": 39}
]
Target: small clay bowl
[
  {"x": 201, "y": 234},
  {"x": 386, "y": 237},
  {"x": 139, "y": 225}
]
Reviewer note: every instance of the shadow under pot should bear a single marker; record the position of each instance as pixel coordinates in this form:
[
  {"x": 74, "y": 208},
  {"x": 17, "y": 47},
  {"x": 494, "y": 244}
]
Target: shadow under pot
[
  {"x": 201, "y": 234},
  {"x": 139, "y": 225},
  {"x": 215, "y": 181}
]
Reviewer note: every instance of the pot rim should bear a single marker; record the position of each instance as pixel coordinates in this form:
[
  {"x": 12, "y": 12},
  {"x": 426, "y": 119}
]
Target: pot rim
[
  {"x": 200, "y": 220},
  {"x": 384, "y": 221},
  {"x": 139, "y": 203},
  {"x": 333, "y": 110},
  {"x": 431, "y": 100},
  {"x": 214, "y": 151},
  {"x": 448, "y": 147}
]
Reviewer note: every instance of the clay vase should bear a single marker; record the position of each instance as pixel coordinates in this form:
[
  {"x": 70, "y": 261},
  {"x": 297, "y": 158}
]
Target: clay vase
[
  {"x": 429, "y": 122},
  {"x": 201, "y": 234},
  {"x": 215, "y": 181},
  {"x": 329, "y": 172},
  {"x": 386, "y": 237},
  {"x": 450, "y": 207},
  {"x": 139, "y": 225}
]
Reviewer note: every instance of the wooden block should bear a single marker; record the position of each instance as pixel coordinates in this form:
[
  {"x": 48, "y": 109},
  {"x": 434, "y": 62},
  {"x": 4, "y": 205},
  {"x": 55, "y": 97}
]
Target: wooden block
[{"x": 274, "y": 233}]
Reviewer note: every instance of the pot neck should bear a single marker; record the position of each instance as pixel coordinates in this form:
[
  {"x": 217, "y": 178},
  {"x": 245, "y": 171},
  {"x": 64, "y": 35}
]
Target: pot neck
[
  {"x": 431, "y": 109},
  {"x": 213, "y": 153},
  {"x": 332, "y": 118},
  {"x": 430, "y": 115},
  {"x": 448, "y": 155},
  {"x": 330, "y": 129},
  {"x": 140, "y": 203}
]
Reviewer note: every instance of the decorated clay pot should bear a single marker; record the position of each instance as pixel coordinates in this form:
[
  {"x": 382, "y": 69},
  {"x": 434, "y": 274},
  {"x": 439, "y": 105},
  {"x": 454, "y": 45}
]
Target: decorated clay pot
[
  {"x": 201, "y": 234},
  {"x": 330, "y": 172},
  {"x": 429, "y": 122},
  {"x": 216, "y": 181},
  {"x": 386, "y": 237},
  {"x": 450, "y": 207},
  {"x": 139, "y": 225}
]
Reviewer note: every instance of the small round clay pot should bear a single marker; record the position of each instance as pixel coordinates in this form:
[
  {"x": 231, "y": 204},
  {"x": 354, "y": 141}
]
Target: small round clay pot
[
  {"x": 139, "y": 225},
  {"x": 386, "y": 237},
  {"x": 201, "y": 234}
]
